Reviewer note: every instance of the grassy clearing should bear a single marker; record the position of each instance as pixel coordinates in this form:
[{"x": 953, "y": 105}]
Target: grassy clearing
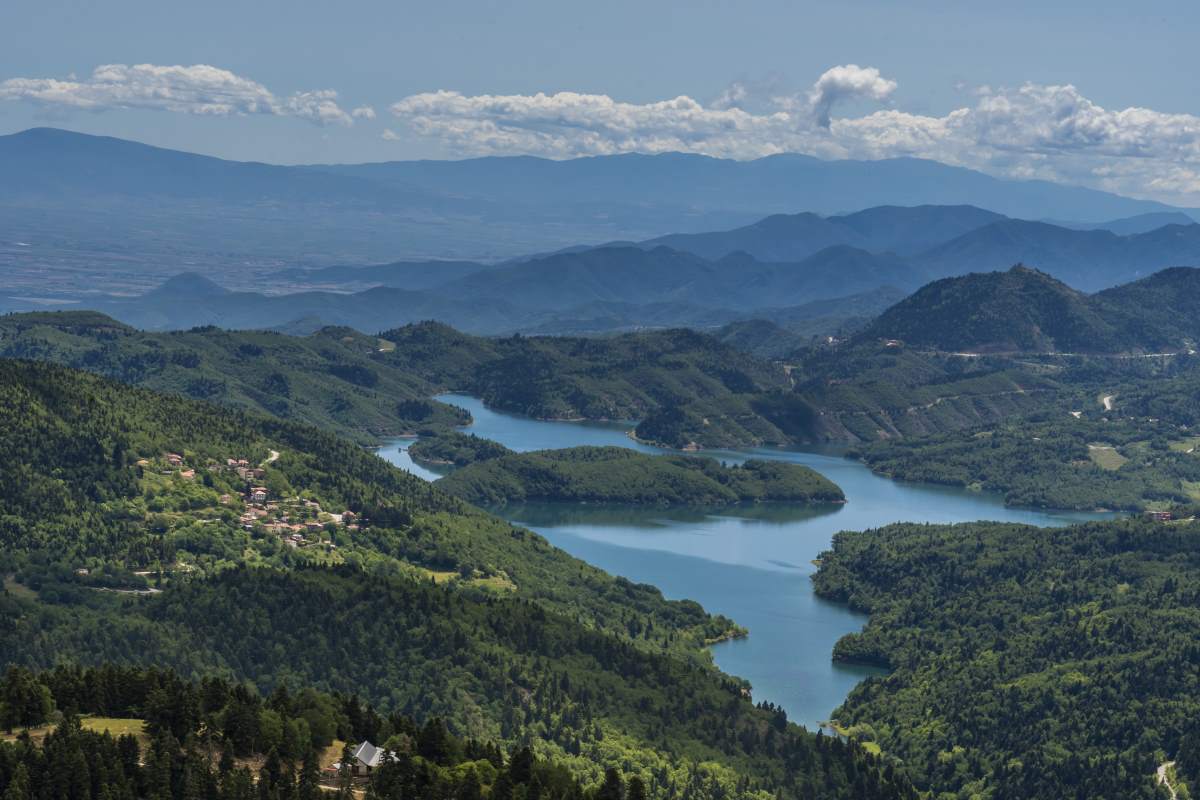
[
  {"x": 332, "y": 754},
  {"x": 856, "y": 733},
  {"x": 439, "y": 577},
  {"x": 1105, "y": 456},
  {"x": 1186, "y": 445},
  {"x": 17, "y": 589},
  {"x": 1192, "y": 489},
  {"x": 117, "y": 726},
  {"x": 495, "y": 583}
]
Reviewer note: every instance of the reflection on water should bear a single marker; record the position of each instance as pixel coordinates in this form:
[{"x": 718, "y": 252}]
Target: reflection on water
[
  {"x": 562, "y": 514},
  {"x": 749, "y": 563}
]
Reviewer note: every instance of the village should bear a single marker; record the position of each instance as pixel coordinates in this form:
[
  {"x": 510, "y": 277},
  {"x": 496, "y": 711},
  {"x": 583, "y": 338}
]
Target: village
[{"x": 299, "y": 522}]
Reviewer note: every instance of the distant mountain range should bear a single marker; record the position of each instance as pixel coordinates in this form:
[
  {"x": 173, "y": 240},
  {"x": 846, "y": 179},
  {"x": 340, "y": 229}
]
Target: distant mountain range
[
  {"x": 780, "y": 183},
  {"x": 568, "y": 304},
  {"x": 802, "y": 257},
  {"x": 630, "y": 286},
  {"x": 76, "y": 208},
  {"x": 1140, "y": 223},
  {"x": 793, "y": 237}
]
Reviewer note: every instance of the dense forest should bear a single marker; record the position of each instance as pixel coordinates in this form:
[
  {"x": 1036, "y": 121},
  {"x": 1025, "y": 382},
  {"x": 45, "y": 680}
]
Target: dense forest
[
  {"x": 77, "y": 499},
  {"x": 124, "y": 541},
  {"x": 622, "y": 476},
  {"x": 1066, "y": 463},
  {"x": 213, "y": 738},
  {"x": 449, "y": 447},
  {"x": 332, "y": 379},
  {"x": 686, "y": 388},
  {"x": 1026, "y": 663},
  {"x": 862, "y": 392},
  {"x": 620, "y": 377},
  {"x": 1023, "y": 310},
  {"x": 1129, "y": 442}
]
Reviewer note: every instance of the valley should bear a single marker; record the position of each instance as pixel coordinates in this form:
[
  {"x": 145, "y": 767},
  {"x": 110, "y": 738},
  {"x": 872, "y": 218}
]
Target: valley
[
  {"x": 724, "y": 502},
  {"x": 751, "y": 564}
]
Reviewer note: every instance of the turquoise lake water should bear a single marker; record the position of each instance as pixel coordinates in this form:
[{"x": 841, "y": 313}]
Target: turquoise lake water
[{"x": 752, "y": 565}]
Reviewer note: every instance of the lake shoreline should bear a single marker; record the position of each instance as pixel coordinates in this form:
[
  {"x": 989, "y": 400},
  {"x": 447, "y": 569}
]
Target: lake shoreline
[{"x": 747, "y": 562}]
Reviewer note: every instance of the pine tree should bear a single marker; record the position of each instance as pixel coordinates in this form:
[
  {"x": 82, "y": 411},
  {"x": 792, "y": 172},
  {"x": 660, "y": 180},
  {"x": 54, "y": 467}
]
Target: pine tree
[
  {"x": 308, "y": 787},
  {"x": 18, "y": 787}
]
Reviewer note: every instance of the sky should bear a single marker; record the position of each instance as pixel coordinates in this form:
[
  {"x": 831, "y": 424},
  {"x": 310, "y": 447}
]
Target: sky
[{"x": 1095, "y": 93}]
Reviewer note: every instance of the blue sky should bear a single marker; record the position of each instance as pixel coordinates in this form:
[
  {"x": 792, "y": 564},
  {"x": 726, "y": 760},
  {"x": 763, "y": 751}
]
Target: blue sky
[{"x": 931, "y": 79}]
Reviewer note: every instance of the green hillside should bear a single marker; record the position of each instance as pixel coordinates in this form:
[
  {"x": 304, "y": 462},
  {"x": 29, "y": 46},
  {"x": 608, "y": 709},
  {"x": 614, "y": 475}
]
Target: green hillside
[
  {"x": 863, "y": 392},
  {"x": 1026, "y": 663},
  {"x": 1024, "y": 310},
  {"x": 331, "y": 379},
  {"x": 621, "y": 377},
  {"x": 1125, "y": 440},
  {"x": 125, "y": 539}
]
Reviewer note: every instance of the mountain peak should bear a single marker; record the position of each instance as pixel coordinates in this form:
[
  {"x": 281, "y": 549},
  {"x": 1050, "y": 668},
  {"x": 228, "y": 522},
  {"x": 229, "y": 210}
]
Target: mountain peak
[
  {"x": 1021, "y": 309},
  {"x": 190, "y": 284}
]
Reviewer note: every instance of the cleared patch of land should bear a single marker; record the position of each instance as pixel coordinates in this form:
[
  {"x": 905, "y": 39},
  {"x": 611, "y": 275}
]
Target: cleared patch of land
[
  {"x": 1186, "y": 445},
  {"x": 117, "y": 726},
  {"x": 18, "y": 589},
  {"x": 1106, "y": 456}
]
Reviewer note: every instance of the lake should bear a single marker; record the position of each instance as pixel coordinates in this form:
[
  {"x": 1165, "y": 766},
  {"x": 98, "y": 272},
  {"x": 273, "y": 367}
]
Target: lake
[{"x": 751, "y": 564}]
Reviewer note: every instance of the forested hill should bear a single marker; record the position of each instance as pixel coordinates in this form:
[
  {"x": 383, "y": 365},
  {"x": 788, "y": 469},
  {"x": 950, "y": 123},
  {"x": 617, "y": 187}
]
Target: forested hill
[
  {"x": 90, "y": 483},
  {"x": 331, "y": 379},
  {"x": 366, "y": 387},
  {"x": 619, "y": 475},
  {"x": 1024, "y": 310},
  {"x": 128, "y": 536},
  {"x": 1028, "y": 664},
  {"x": 621, "y": 377}
]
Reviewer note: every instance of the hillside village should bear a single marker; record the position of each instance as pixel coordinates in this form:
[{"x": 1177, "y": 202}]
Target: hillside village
[{"x": 298, "y": 521}]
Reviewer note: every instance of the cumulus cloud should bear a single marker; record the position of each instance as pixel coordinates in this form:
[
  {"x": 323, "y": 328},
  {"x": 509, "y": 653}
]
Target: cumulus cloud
[
  {"x": 199, "y": 89},
  {"x": 1050, "y": 132},
  {"x": 846, "y": 82},
  {"x": 363, "y": 112}
]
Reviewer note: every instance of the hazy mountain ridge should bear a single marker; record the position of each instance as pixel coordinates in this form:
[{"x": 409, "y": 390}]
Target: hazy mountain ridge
[{"x": 1025, "y": 310}]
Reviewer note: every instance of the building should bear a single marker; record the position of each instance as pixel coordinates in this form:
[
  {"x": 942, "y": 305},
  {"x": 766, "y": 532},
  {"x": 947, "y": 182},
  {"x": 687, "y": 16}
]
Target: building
[
  {"x": 174, "y": 459},
  {"x": 258, "y": 494},
  {"x": 366, "y": 758},
  {"x": 1160, "y": 516}
]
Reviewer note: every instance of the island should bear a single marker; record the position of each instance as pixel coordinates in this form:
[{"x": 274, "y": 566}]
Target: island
[
  {"x": 488, "y": 477},
  {"x": 441, "y": 445}
]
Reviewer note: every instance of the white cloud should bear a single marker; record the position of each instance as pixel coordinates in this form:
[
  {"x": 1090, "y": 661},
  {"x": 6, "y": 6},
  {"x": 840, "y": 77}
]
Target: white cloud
[
  {"x": 363, "y": 112},
  {"x": 847, "y": 81},
  {"x": 732, "y": 96},
  {"x": 198, "y": 89},
  {"x": 389, "y": 135},
  {"x": 1050, "y": 132}
]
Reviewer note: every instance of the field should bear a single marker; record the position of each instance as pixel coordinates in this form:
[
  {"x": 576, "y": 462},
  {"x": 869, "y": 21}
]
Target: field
[
  {"x": 1106, "y": 456},
  {"x": 117, "y": 726}
]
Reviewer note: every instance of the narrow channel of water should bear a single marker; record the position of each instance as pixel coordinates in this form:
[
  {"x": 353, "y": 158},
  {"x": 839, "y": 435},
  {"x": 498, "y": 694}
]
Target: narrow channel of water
[{"x": 749, "y": 564}]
